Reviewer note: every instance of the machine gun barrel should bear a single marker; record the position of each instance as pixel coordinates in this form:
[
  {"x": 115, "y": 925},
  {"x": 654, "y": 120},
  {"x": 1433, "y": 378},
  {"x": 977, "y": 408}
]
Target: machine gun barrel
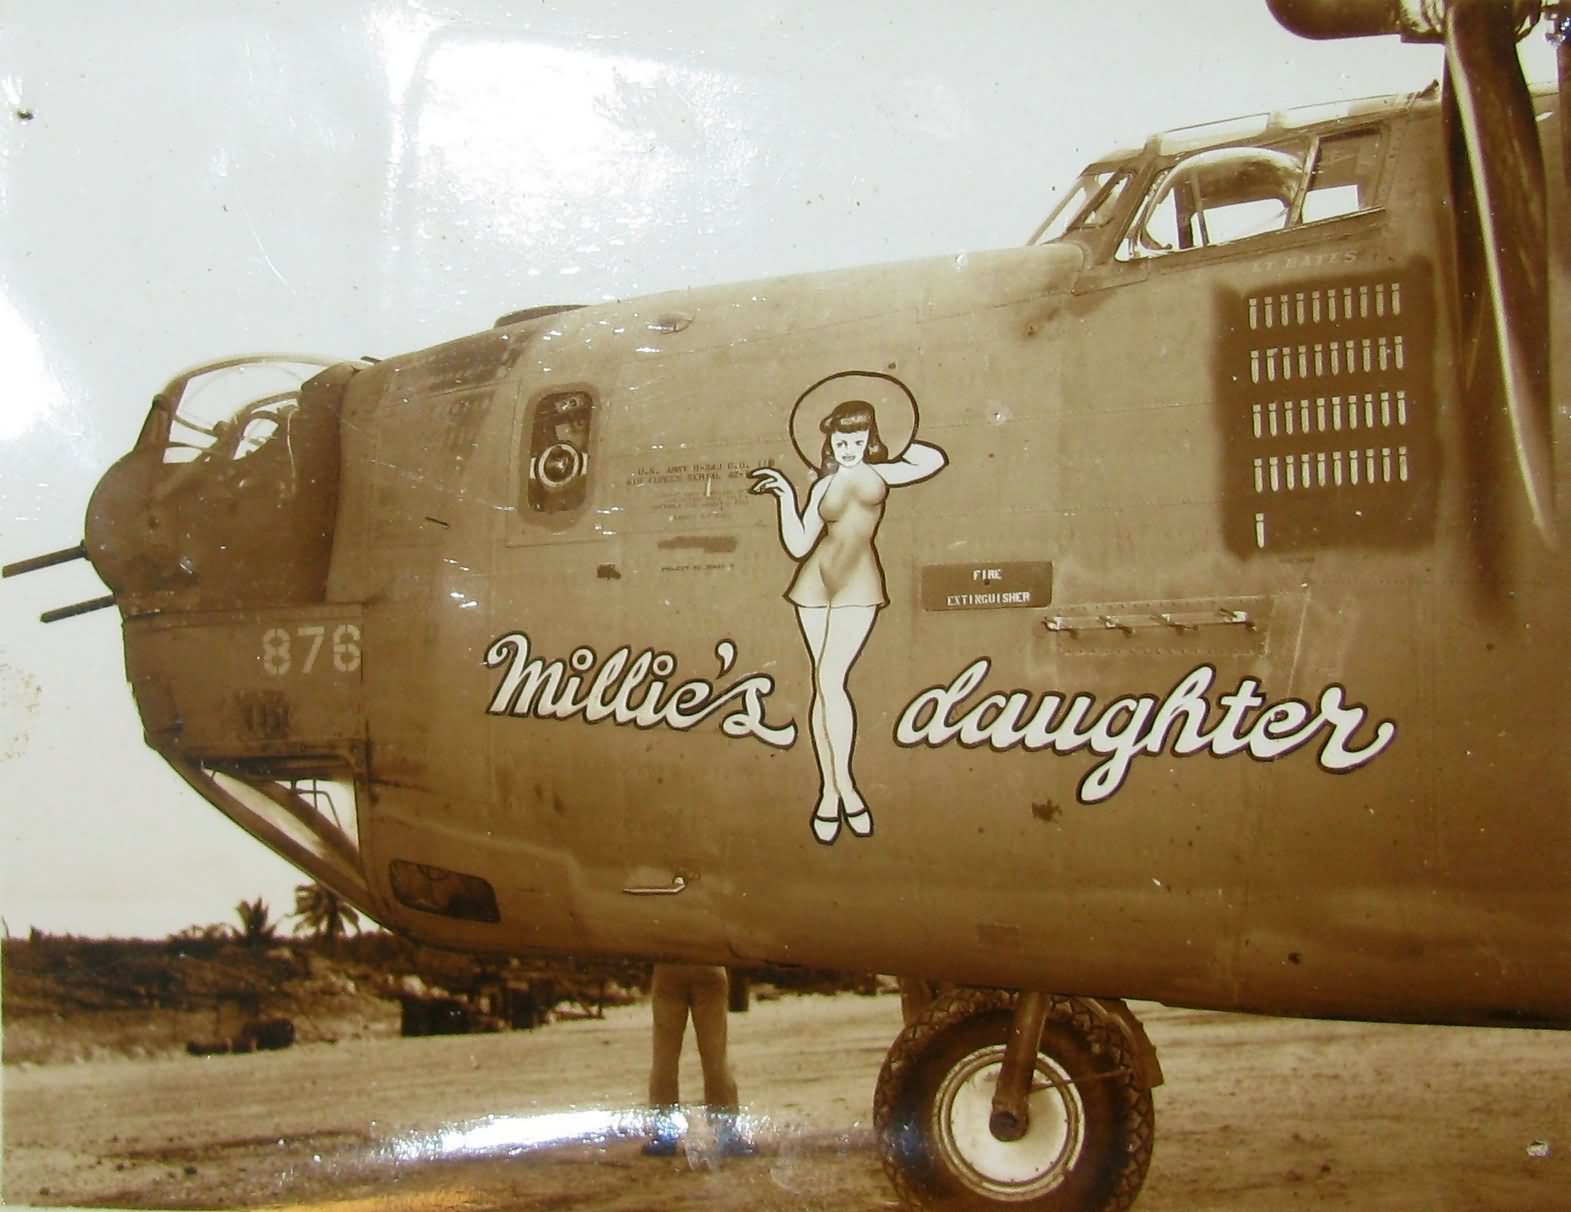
[
  {"x": 48, "y": 560},
  {"x": 70, "y": 612}
]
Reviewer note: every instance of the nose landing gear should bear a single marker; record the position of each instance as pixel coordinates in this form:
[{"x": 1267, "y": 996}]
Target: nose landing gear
[{"x": 1084, "y": 1142}]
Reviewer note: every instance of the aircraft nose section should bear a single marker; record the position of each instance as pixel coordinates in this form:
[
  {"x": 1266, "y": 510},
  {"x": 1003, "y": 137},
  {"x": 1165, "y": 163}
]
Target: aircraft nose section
[{"x": 216, "y": 533}]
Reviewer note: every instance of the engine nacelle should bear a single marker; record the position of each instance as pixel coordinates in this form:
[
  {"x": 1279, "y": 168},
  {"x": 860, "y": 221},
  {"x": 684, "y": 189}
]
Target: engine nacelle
[{"x": 1414, "y": 20}]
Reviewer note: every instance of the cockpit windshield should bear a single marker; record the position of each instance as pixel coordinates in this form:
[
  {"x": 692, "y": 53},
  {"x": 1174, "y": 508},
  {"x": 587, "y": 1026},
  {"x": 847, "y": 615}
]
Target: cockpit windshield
[{"x": 1089, "y": 202}]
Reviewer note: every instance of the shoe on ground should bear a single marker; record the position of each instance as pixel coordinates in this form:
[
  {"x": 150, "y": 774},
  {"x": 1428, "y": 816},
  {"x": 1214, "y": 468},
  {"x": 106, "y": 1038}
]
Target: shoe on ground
[{"x": 735, "y": 1144}]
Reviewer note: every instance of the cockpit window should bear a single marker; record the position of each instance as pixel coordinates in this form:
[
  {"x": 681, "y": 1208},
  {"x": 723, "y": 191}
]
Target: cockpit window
[
  {"x": 1218, "y": 196},
  {"x": 1225, "y": 194},
  {"x": 1090, "y": 202},
  {"x": 1343, "y": 179}
]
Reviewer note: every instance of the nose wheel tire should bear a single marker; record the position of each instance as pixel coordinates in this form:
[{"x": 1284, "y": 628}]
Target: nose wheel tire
[{"x": 1088, "y": 1142}]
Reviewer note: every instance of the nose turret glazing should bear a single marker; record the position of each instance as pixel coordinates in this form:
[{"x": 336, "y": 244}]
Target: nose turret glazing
[{"x": 219, "y": 512}]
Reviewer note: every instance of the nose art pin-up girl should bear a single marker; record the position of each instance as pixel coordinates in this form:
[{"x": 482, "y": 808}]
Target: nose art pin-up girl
[{"x": 839, "y": 584}]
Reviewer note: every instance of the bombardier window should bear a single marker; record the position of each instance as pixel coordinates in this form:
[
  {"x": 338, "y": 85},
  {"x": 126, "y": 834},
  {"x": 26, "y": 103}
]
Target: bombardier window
[{"x": 1225, "y": 194}]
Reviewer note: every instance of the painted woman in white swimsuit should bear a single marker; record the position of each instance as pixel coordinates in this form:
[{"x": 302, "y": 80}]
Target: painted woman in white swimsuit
[{"x": 839, "y": 584}]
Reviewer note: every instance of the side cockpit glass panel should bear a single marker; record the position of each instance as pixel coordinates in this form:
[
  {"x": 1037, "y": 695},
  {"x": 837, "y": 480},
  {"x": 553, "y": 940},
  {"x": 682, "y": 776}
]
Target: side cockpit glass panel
[
  {"x": 1343, "y": 179},
  {"x": 1219, "y": 196},
  {"x": 1226, "y": 194},
  {"x": 558, "y": 454},
  {"x": 1090, "y": 203}
]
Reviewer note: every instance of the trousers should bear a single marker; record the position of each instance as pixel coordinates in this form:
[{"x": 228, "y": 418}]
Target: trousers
[{"x": 677, "y": 991}]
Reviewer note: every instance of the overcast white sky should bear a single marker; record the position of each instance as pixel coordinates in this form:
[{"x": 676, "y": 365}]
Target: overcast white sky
[{"x": 366, "y": 178}]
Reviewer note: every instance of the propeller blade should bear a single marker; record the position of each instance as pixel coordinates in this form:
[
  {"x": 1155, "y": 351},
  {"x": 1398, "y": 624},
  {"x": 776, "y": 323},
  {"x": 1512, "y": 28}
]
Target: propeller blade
[
  {"x": 1563, "y": 70},
  {"x": 1501, "y": 230}
]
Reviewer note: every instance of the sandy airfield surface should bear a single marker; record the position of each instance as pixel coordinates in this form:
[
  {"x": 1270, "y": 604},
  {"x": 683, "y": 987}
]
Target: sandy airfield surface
[{"x": 1257, "y": 1114}]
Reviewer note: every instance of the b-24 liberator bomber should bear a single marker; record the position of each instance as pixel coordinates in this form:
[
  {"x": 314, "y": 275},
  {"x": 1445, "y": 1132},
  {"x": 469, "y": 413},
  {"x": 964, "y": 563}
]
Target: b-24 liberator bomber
[{"x": 1174, "y": 608}]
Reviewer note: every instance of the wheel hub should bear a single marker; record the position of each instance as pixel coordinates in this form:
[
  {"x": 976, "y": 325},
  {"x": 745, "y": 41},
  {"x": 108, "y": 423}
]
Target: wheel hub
[{"x": 1022, "y": 1169}]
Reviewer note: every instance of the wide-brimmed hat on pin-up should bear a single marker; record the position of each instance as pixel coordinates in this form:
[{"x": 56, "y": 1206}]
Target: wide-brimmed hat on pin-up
[{"x": 892, "y": 401}]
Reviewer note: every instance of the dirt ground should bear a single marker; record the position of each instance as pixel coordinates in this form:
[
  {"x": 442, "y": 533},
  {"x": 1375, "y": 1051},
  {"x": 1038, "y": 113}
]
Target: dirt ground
[{"x": 1257, "y": 1115}]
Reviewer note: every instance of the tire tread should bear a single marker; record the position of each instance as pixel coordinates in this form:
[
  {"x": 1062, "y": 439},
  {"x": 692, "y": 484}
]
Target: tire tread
[{"x": 954, "y": 1009}]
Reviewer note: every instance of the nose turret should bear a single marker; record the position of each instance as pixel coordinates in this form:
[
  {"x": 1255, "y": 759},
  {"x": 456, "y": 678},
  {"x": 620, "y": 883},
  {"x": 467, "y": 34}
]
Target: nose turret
[{"x": 220, "y": 513}]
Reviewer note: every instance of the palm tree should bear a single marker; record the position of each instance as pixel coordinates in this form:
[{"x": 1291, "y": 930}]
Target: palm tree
[
  {"x": 323, "y": 912},
  {"x": 256, "y": 930}
]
